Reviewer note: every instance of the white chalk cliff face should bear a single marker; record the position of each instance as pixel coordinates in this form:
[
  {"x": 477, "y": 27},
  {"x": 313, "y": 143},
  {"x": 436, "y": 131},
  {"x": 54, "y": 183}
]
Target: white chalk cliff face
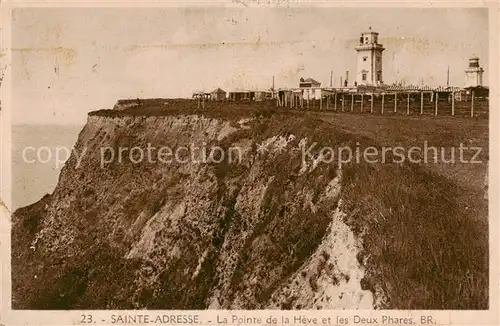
[
  {"x": 331, "y": 278},
  {"x": 265, "y": 231}
]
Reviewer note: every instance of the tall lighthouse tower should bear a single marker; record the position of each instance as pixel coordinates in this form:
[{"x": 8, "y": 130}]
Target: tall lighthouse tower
[
  {"x": 474, "y": 74},
  {"x": 369, "y": 60}
]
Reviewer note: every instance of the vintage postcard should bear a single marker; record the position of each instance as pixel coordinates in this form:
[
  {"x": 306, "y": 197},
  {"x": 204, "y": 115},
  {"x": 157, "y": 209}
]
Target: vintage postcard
[{"x": 249, "y": 163}]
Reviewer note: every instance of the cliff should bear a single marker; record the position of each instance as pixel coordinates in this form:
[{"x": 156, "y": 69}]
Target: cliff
[{"x": 263, "y": 229}]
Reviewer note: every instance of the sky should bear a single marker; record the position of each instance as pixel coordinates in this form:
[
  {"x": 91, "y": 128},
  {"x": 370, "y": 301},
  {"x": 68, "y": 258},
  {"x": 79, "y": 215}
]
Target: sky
[{"x": 69, "y": 61}]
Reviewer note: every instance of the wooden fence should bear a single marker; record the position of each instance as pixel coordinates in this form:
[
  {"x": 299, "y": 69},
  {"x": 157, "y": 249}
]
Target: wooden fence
[{"x": 396, "y": 103}]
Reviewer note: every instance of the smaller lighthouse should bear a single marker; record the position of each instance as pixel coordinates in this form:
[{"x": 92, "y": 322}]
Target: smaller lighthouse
[{"x": 474, "y": 74}]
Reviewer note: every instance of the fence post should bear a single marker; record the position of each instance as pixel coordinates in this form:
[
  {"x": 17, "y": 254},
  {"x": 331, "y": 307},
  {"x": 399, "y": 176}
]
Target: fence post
[
  {"x": 361, "y": 103},
  {"x": 382, "y": 112},
  {"x": 452, "y": 103},
  {"x": 327, "y": 102},
  {"x": 436, "y": 104},
  {"x": 371, "y": 105},
  {"x": 321, "y": 102},
  {"x": 352, "y": 102},
  {"x": 421, "y": 102},
  {"x": 472, "y": 105},
  {"x": 408, "y": 105},
  {"x": 335, "y": 104},
  {"x": 395, "y": 102},
  {"x": 343, "y": 100}
]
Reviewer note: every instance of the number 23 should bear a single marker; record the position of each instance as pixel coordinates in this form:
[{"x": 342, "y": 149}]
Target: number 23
[{"x": 86, "y": 319}]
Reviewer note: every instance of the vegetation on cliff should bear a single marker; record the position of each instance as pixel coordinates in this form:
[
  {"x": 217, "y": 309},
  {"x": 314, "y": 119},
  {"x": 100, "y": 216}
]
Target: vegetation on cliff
[{"x": 258, "y": 233}]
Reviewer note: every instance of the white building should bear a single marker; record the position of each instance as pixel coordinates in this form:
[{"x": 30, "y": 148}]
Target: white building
[
  {"x": 474, "y": 74},
  {"x": 311, "y": 89},
  {"x": 369, "y": 61}
]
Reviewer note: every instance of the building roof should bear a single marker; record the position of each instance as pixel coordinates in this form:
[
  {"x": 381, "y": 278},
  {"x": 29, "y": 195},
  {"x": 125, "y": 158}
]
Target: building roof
[
  {"x": 479, "y": 87},
  {"x": 239, "y": 91},
  {"x": 310, "y": 80},
  {"x": 218, "y": 90},
  {"x": 370, "y": 31}
]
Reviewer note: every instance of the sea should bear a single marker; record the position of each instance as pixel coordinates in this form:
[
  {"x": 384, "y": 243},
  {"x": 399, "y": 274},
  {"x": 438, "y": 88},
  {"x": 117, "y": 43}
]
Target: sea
[{"x": 38, "y": 155}]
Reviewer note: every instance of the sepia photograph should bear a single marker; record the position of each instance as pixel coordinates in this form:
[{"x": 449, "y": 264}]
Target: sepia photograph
[{"x": 234, "y": 157}]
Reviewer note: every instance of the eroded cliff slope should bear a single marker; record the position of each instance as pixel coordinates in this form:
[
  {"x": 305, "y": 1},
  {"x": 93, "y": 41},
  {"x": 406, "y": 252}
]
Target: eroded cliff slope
[{"x": 265, "y": 229}]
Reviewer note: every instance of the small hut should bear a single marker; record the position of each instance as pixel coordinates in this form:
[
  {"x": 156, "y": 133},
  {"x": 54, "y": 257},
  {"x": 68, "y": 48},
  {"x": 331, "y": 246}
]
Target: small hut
[
  {"x": 241, "y": 96},
  {"x": 479, "y": 91},
  {"x": 218, "y": 95}
]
